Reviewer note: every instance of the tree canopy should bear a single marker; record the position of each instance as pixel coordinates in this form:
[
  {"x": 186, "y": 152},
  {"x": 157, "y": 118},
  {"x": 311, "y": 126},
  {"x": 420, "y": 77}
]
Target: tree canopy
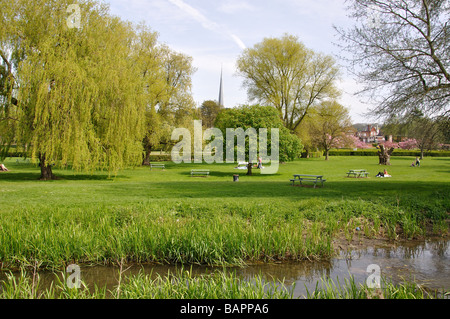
[
  {"x": 283, "y": 73},
  {"x": 328, "y": 126},
  {"x": 261, "y": 117},
  {"x": 81, "y": 87}
]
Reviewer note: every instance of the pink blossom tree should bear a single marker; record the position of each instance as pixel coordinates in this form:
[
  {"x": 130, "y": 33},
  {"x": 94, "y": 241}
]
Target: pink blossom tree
[
  {"x": 409, "y": 144},
  {"x": 360, "y": 144}
]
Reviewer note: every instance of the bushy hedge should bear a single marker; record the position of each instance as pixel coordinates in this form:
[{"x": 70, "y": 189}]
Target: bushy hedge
[{"x": 397, "y": 152}]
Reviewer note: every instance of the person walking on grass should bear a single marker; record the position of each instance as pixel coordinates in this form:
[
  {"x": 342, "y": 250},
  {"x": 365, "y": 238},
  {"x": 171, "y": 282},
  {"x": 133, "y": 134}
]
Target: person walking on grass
[
  {"x": 417, "y": 161},
  {"x": 259, "y": 162}
]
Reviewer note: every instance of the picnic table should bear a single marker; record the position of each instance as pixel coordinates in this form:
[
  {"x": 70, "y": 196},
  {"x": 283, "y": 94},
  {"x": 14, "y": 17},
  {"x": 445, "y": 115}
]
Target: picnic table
[
  {"x": 200, "y": 172},
  {"x": 358, "y": 173},
  {"x": 310, "y": 178}
]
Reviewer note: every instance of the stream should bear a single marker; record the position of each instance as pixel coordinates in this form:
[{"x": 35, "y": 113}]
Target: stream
[{"x": 427, "y": 263}]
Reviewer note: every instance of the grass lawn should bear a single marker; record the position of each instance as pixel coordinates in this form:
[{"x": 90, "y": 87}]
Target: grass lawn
[{"x": 146, "y": 215}]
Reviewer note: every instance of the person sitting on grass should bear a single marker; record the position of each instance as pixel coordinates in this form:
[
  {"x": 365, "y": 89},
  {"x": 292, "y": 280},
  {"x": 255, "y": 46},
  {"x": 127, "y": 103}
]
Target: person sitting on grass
[
  {"x": 383, "y": 174},
  {"x": 3, "y": 168}
]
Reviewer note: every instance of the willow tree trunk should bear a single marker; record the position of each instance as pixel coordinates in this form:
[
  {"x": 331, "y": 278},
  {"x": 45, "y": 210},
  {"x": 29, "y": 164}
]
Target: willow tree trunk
[
  {"x": 384, "y": 155},
  {"x": 148, "y": 151},
  {"x": 46, "y": 169}
]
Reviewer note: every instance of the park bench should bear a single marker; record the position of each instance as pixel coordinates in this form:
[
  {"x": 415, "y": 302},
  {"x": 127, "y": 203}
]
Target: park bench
[
  {"x": 162, "y": 166},
  {"x": 309, "y": 178},
  {"x": 358, "y": 173},
  {"x": 200, "y": 172},
  {"x": 22, "y": 161}
]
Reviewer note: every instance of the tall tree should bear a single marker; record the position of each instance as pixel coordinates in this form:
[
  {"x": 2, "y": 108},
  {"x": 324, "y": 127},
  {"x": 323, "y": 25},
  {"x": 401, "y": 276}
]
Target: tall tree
[
  {"x": 209, "y": 110},
  {"x": 399, "y": 50},
  {"x": 283, "y": 73},
  {"x": 329, "y": 126},
  {"x": 427, "y": 133},
  {"x": 170, "y": 104},
  {"x": 80, "y": 101}
]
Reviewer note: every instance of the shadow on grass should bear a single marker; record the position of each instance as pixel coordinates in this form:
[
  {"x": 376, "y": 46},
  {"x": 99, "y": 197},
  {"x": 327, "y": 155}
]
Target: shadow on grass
[
  {"x": 255, "y": 173},
  {"x": 202, "y": 188}
]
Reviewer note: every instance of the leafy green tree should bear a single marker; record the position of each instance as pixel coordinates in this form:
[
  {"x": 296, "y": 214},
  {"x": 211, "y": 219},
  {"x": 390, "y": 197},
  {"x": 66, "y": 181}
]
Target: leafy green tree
[
  {"x": 172, "y": 104},
  {"x": 209, "y": 110},
  {"x": 80, "y": 100},
  {"x": 329, "y": 125},
  {"x": 256, "y": 116},
  {"x": 284, "y": 74}
]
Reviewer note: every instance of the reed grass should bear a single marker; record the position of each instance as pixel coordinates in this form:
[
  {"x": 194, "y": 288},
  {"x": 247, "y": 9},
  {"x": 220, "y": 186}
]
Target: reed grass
[
  {"x": 192, "y": 232},
  {"x": 349, "y": 289},
  {"x": 182, "y": 284}
]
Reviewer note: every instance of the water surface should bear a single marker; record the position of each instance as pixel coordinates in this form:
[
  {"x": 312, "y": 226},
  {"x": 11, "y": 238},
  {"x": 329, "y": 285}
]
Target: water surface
[{"x": 427, "y": 263}]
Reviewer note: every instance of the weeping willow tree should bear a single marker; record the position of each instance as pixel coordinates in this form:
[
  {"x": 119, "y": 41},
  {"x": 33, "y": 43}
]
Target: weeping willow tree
[{"x": 80, "y": 101}]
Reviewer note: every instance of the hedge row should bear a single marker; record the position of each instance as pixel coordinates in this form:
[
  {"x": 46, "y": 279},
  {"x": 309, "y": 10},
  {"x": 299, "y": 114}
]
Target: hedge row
[{"x": 397, "y": 152}]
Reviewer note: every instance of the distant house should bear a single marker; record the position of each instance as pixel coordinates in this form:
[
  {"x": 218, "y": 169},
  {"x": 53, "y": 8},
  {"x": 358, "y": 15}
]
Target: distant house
[{"x": 371, "y": 134}]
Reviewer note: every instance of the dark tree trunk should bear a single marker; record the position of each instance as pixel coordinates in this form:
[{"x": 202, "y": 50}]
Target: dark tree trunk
[
  {"x": 385, "y": 155},
  {"x": 249, "y": 168},
  {"x": 148, "y": 151},
  {"x": 327, "y": 152},
  {"x": 146, "y": 160},
  {"x": 46, "y": 169}
]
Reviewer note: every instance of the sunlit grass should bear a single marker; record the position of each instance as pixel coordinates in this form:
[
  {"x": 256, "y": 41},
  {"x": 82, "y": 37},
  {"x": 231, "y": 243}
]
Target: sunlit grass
[{"x": 169, "y": 217}]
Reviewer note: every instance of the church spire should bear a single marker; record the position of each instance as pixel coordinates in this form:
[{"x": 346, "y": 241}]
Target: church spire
[{"x": 221, "y": 89}]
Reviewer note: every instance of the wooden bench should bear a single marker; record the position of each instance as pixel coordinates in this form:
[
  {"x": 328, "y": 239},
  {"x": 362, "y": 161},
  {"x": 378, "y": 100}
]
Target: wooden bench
[
  {"x": 162, "y": 166},
  {"x": 200, "y": 172},
  {"x": 310, "y": 178},
  {"x": 23, "y": 161},
  {"x": 358, "y": 173}
]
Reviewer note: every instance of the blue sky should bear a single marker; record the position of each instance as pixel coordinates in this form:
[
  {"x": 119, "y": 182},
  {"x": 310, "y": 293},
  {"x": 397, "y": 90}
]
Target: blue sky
[{"x": 215, "y": 33}]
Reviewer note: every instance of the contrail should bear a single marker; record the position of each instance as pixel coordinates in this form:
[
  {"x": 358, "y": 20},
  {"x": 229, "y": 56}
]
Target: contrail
[{"x": 206, "y": 23}]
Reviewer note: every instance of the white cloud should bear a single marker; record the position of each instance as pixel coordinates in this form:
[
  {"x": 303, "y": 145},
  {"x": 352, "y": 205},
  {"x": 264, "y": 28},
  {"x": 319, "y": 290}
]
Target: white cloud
[
  {"x": 207, "y": 23},
  {"x": 238, "y": 41}
]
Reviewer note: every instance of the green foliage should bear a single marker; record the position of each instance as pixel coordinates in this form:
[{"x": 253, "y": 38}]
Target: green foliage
[
  {"x": 283, "y": 73},
  {"x": 334, "y": 289},
  {"x": 89, "y": 94},
  {"x": 79, "y": 99},
  {"x": 218, "y": 285},
  {"x": 328, "y": 125},
  {"x": 256, "y": 116},
  {"x": 209, "y": 110}
]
